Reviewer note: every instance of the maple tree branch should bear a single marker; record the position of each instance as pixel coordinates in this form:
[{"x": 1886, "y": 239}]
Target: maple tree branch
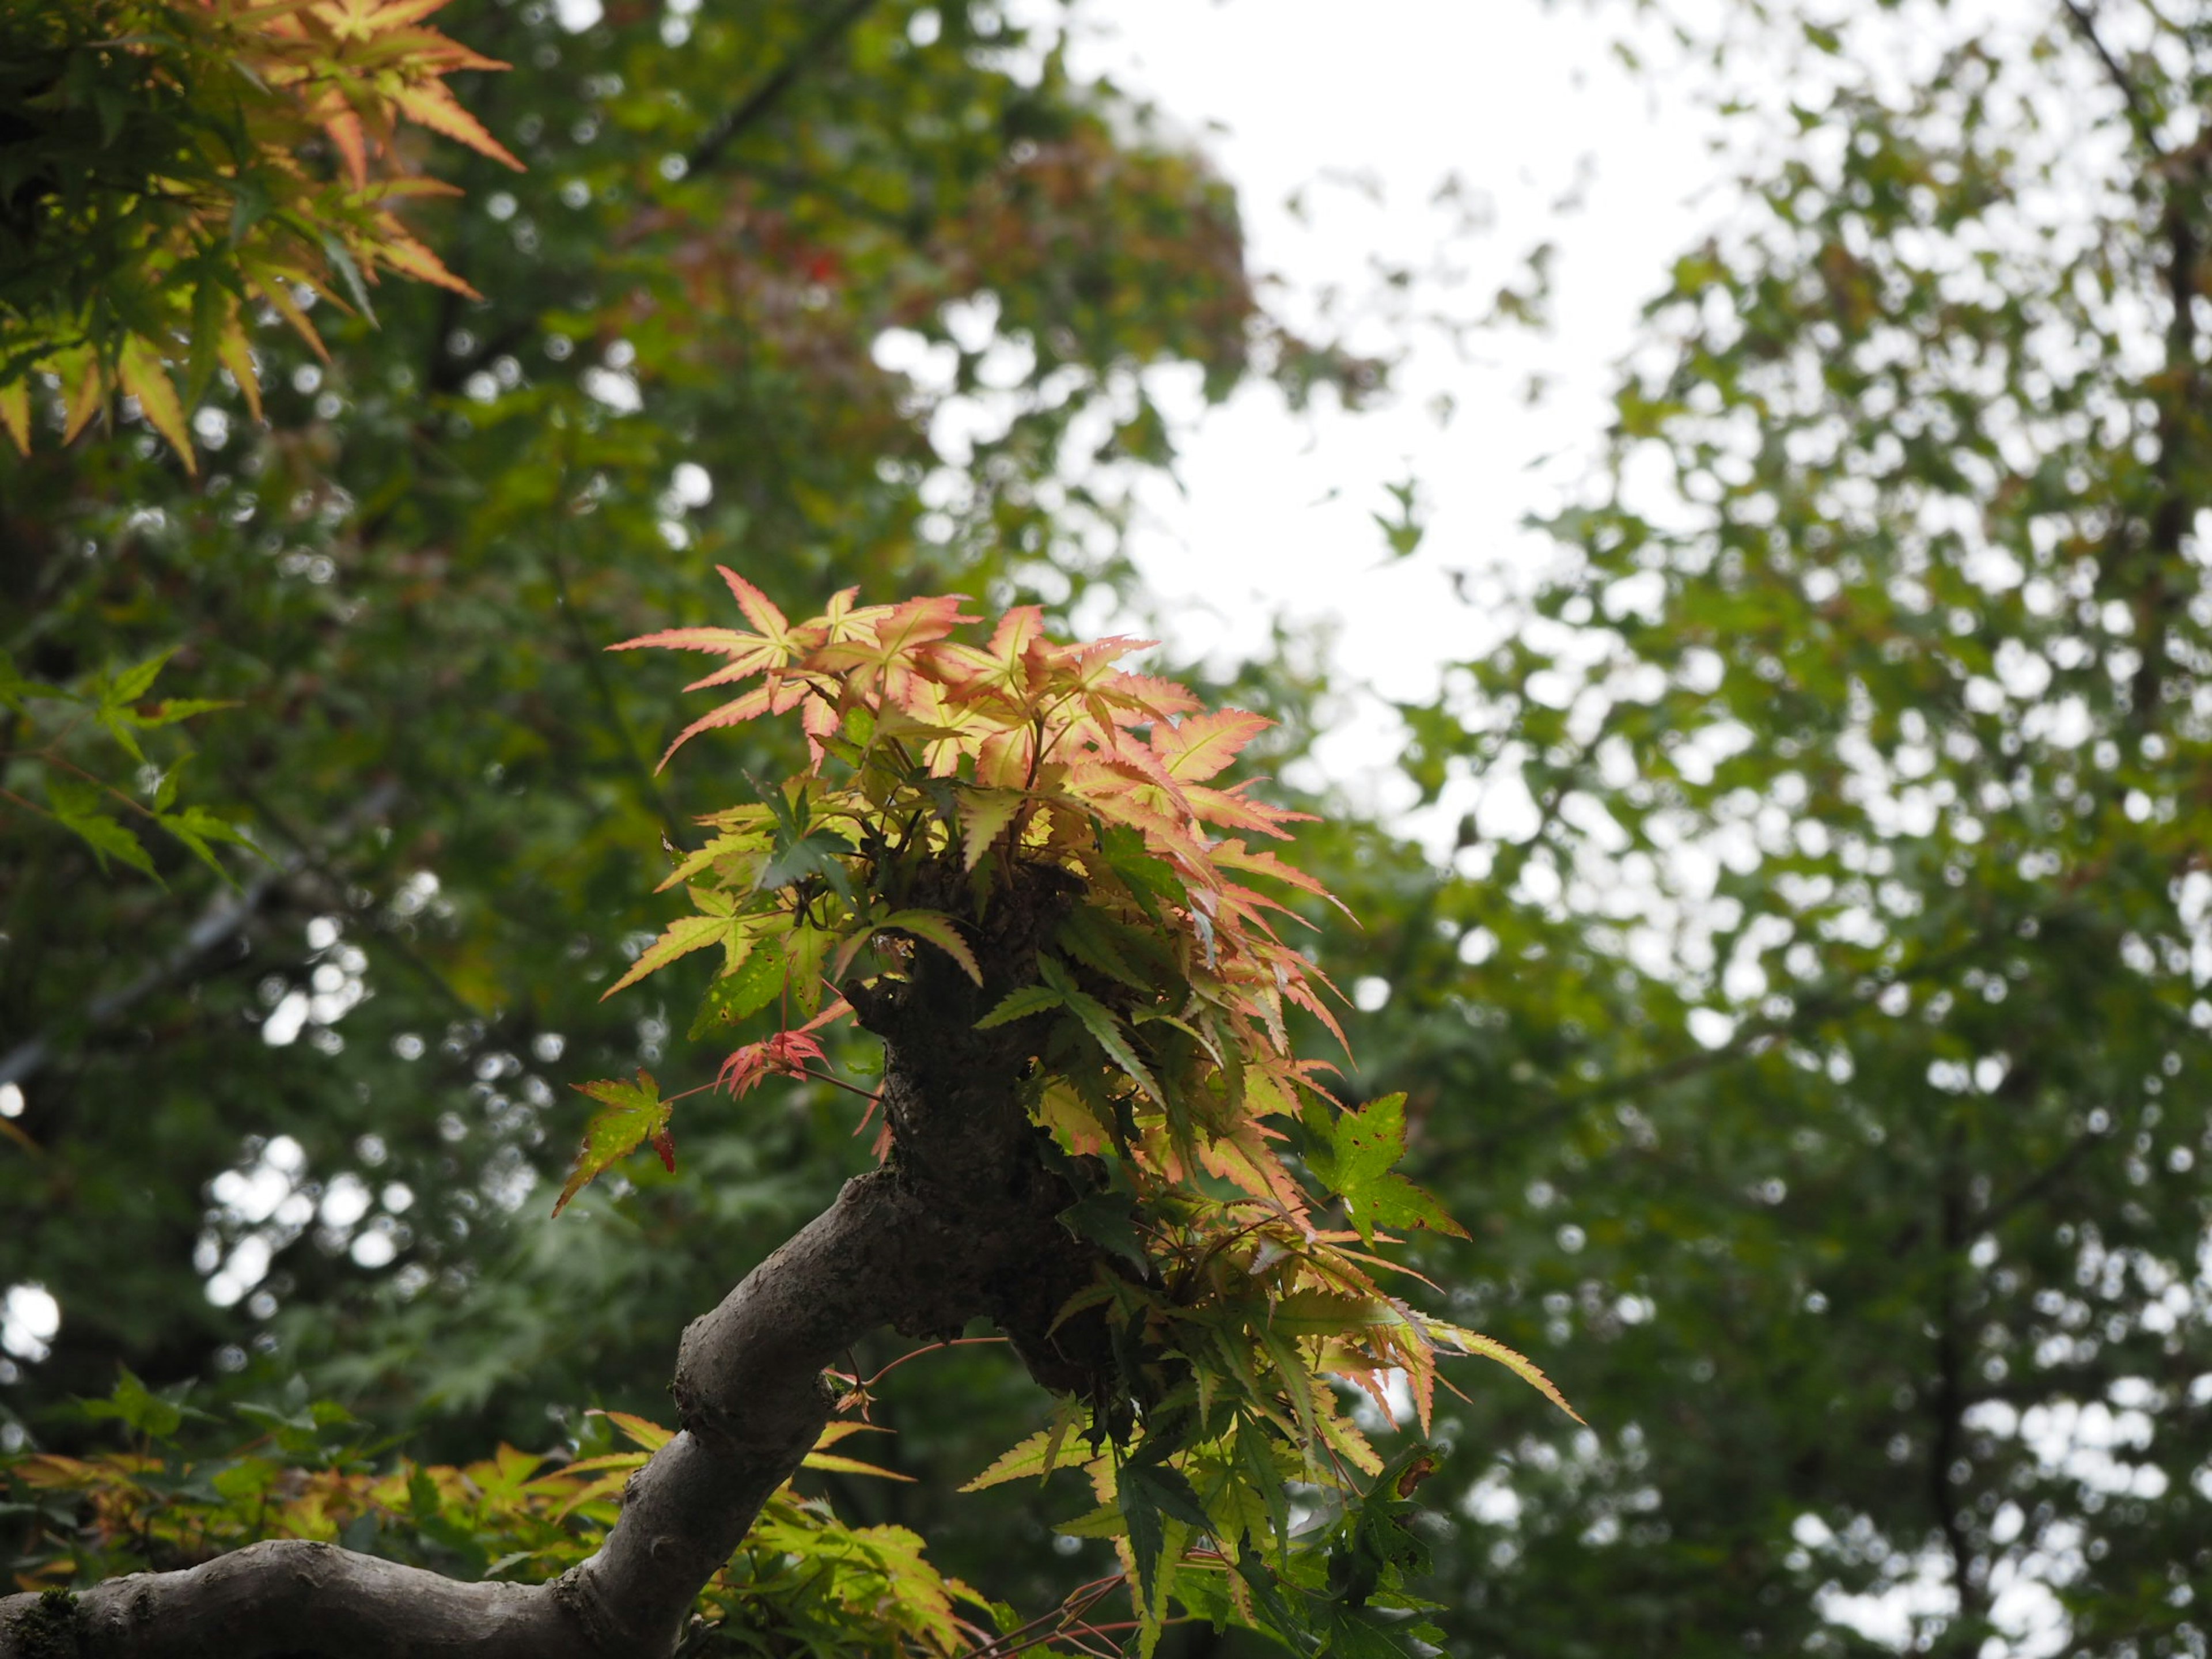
[{"x": 961, "y": 1223}]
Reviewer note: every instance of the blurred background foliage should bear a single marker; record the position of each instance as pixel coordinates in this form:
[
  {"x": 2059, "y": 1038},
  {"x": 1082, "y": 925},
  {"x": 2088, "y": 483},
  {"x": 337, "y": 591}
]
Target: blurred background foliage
[{"x": 1810, "y": 1026}]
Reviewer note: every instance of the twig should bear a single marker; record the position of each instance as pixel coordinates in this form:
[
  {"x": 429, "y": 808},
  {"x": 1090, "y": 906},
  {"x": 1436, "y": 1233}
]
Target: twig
[
  {"x": 916, "y": 1353},
  {"x": 597, "y": 669},
  {"x": 840, "y": 1083},
  {"x": 2138, "y": 115},
  {"x": 227, "y": 914},
  {"x": 718, "y": 136}
]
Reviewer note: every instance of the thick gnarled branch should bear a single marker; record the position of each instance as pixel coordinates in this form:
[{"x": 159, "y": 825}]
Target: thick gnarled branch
[
  {"x": 961, "y": 1223},
  {"x": 748, "y": 1383}
]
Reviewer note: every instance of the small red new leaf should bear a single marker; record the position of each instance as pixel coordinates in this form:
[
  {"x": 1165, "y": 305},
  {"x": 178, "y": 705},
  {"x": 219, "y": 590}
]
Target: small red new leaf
[{"x": 784, "y": 1055}]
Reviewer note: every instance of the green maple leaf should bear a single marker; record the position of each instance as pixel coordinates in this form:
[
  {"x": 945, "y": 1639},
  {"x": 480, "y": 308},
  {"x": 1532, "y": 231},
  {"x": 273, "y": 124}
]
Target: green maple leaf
[
  {"x": 1356, "y": 1157},
  {"x": 630, "y": 1113},
  {"x": 758, "y": 983},
  {"x": 78, "y": 807}
]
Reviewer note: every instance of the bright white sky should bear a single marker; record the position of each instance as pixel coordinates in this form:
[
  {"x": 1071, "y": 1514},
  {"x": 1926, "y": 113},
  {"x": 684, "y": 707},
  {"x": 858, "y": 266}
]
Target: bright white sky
[{"x": 1527, "y": 106}]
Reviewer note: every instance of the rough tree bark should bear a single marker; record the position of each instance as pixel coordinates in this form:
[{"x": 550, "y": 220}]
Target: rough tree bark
[{"x": 960, "y": 1223}]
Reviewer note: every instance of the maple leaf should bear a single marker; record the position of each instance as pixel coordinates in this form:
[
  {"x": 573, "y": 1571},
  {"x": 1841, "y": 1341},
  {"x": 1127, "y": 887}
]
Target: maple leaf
[
  {"x": 772, "y": 644},
  {"x": 140, "y": 372},
  {"x": 1195, "y": 749},
  {"x": 1099, "y": 1020},
  {"x": 1236, "y": 857},
  {"x": 719, "y": 925},
  {"x": 1006, "y": 758},
  {"x": 894, "y": 645},
  {"x": 841, "y": 619},
  {"x": 411, "y": 259},
  {"x": 1233, "y": 809},
  {"x": 938, "y": 929},
  {"x": 946, "y": 728},
  {"x": 836, "y": 1463},
  {"x": 432, "y": 104},
  {"x": 1474, "y": 1343},
  {"x": 984, "y": 814},
  {"x": 1356, "y": 1157},
  {"x": 1141, "y": 699},
  {"x": 16, "y": 412},
  {"x": 1002, "y": 665},
  {"x": 772, "y": 647},
  {"x": 629, "y": 1115},
  {"x": 784, "y": 1055}
]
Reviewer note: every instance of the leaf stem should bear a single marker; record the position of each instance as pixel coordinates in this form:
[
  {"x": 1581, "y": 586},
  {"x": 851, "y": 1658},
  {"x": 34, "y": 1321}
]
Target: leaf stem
[
  {"x": 835, "y": 1081},
  {"x": 916, "y": 1353}
]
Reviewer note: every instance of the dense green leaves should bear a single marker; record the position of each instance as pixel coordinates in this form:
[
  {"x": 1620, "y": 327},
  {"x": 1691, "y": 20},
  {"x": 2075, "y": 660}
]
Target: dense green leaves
[
  {"x": 49, "y": 741},
  {"x": 1813, "y": 1061}
]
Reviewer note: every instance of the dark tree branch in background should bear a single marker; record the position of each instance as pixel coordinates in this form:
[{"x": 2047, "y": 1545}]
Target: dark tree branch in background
[
  {"x": 2181, "y": 175},
  {"x": 1751, "y": 1038},
  {"x": 595, "y": 668},
  {"x": 1949, "y": 1405},
  {"x": 2002, "y": 1210},
  {"x": 727, "y": 127},
  {"x": 225, "y": 917},
  {"x": 2139, "y": 116},
  {"x": 763, "y": 98}
]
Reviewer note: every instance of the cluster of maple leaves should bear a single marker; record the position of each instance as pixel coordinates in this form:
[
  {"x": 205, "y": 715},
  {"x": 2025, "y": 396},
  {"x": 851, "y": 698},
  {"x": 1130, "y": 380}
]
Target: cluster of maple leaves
[
  {"x": 206, "y": 197},
  {"x": 1244, "y": 1202}
]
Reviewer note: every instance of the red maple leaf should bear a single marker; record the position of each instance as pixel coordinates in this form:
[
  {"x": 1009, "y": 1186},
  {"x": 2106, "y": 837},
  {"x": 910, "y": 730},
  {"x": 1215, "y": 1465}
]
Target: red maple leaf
[{"x": 784, "y": 1055}]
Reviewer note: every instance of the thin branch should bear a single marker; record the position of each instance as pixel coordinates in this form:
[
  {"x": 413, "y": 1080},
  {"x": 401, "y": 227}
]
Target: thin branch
[
  {"x": 2037, "y": 1185},
  {"x": 1949, "y": 1405},
  {"x": 1751, "y": 1039},
  {"x": 872, "y": 1097},
  {"x": 730, "y": 126},
  {"x": 934, "y": 1347},
  {"x": 595, "y": 668},
  {"x": 310, "y": 859},
  {"x": 1073, "y": 1606},
  {"x": 226, "y": 915},
  {"x": 2139, "y": 116}
]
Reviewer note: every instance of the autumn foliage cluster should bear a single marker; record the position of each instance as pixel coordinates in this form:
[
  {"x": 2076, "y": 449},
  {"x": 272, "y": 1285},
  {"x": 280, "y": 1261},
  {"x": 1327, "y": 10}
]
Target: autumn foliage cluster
[
  {"x": 188, "y": 164},
  {"x": 1242, "y": 1205}
]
